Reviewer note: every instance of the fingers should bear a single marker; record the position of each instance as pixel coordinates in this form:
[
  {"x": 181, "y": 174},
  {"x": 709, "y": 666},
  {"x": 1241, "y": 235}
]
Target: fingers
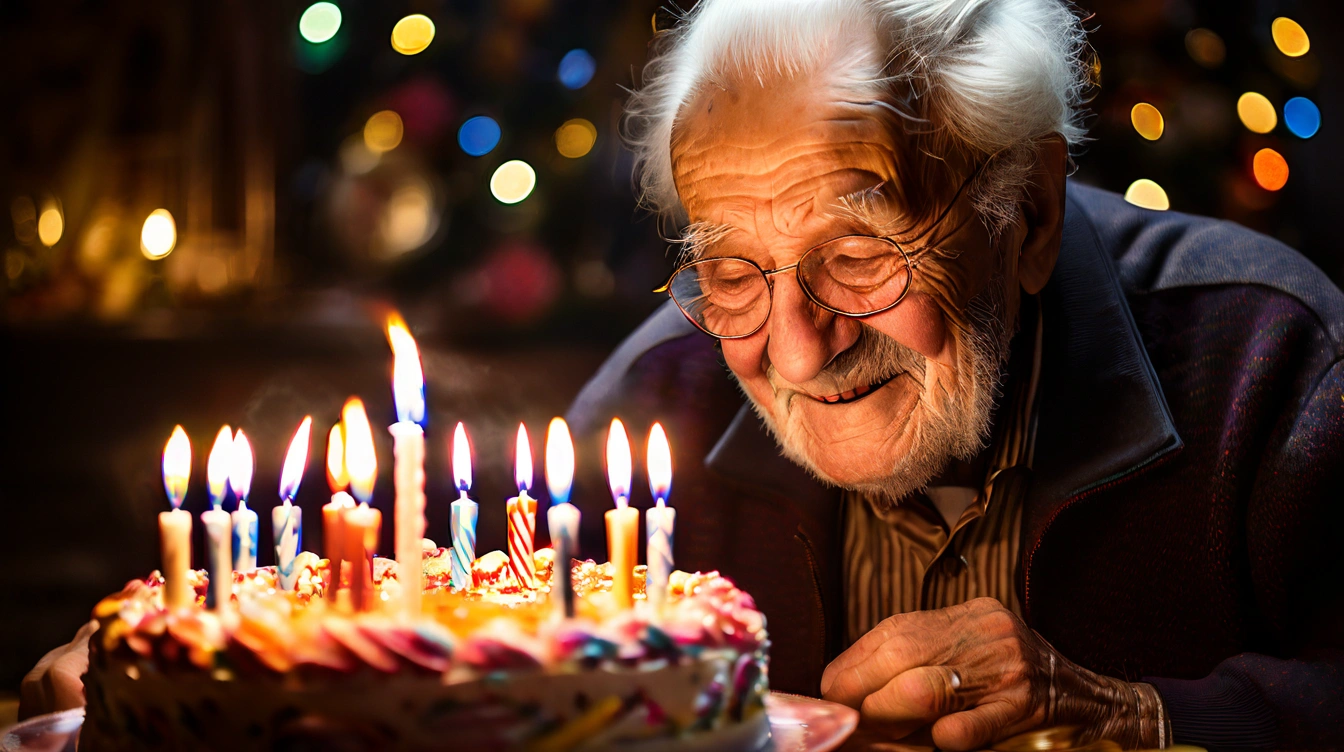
[
  {"x": 55, "y": 683},
  {"x": 850, "y": 686},
  {"x": 916, "y": 697},
  {"x": 976, "y": 728},
  {"x": 857, "y": 653}
]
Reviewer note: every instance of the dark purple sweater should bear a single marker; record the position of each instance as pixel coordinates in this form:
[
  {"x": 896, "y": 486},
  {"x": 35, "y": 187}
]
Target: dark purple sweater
[{"x": 1185, "y": 522}]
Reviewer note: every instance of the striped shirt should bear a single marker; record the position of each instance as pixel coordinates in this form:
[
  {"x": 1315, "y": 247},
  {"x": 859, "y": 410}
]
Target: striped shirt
[{"x": 906, "y": 557}]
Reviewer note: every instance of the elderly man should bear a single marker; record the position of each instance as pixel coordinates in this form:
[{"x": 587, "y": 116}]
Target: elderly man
[{"x": 1047, "y": 458}]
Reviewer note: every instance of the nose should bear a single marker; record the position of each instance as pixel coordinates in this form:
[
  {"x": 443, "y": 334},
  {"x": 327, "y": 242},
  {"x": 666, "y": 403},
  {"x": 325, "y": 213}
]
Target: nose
[{"x": 804, "y": 338}]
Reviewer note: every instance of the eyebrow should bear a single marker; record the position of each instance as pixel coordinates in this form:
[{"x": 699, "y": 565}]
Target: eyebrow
[{"x": 698, "y": 237}]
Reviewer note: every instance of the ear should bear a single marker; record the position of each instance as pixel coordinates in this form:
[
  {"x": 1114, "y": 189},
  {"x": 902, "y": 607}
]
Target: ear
[{"x": 1043, "y": 215}]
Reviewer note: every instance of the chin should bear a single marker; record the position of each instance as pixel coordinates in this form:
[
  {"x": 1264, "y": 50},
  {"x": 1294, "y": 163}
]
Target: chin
[{"x": 874, "y": 445}]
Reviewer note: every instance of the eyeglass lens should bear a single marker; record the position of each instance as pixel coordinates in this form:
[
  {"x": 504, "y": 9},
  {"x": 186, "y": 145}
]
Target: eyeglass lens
[{"x": 730, "y": 297}]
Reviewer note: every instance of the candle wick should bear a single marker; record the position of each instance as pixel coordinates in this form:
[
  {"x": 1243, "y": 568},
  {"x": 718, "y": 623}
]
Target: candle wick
[{"x": 662, "y": 502}]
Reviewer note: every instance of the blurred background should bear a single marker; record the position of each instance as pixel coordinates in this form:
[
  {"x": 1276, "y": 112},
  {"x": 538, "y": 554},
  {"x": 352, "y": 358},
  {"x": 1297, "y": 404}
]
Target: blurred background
[{"x": 210, "y": 207}]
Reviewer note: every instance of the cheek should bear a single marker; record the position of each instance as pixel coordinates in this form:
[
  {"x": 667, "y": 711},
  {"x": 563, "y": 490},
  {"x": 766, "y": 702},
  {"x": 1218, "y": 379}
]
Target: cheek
[
  {"x": 746, "y": 356},
  {"x": 919, "y": 324}
]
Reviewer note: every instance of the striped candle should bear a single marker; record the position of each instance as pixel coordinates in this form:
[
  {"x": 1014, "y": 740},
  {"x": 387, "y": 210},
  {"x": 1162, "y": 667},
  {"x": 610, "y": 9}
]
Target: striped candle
[
  {"x": 244, "y": 519},
  {"x": 286, "y": 518},
  {"x": 659, "y": 520},
  {"x": 464, "y": 512},
  {"x": 522, "y": 514}
]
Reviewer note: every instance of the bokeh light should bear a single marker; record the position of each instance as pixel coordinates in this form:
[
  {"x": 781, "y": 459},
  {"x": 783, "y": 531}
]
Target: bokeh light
[
  {"x": 1205, "y": 47},
  {"x": 478, "y": 136},
  {"x": 1302, "y": 117},
  {"x": 158, "y": 236},
  {"x": 382, "y": 131},
  {"x": 576, "y": 69},
  {"x": 1147, "y": 121},
  {"x": 513, "y": 181},
  {"x": 50, "y": 224},
  {"x": 575, "y": 138},
  {"x": 1256, "y": 113},
  {"x": 412, "y": 34},
  {"x": 1147, "y": 194},
  {"x": 410, "y": 220},
  {"x": 1290, "y": 37},
  {"x": 320, "y": 22},
  {"x": 24, "y": 214},
  {"x": 1270, "y": 169}
]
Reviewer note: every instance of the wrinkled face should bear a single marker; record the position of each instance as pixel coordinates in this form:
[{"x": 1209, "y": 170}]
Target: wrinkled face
[{"x": 880, "y": 403}]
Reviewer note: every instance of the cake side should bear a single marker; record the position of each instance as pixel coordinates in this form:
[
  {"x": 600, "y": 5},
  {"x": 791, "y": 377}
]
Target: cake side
[{"x": 488, "y": 668}]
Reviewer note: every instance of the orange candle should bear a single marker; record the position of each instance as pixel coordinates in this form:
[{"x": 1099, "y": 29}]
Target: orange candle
[{"x": 362, "y": 525}]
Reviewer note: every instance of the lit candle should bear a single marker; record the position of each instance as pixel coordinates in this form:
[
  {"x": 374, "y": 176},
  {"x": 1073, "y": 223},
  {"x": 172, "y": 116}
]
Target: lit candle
[
  {"x": 522, "y": 514},
  {"x": 623, "y": 521},
  {"x": 659, "y": 520},
  {"x": 287, "y": 519},
  {"x": 175, "y": 526},
  {"x": 333, "y": 512},
  {"x": 218, "y": 525},
  {"x": 362, "y": 524},
  {"x": 563, "y": 517},
  {"x": 244, "y": 519},
  {"x": 464, "y": 512},
  {"x": 408, "y": 470}
]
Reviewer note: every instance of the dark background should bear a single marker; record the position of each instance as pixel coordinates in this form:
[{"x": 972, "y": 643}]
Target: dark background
[{"x": 294, "y": 241}]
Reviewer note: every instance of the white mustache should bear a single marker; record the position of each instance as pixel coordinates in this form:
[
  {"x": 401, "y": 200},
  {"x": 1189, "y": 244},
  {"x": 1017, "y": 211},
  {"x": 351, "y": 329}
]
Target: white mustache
[{"x": 875, "y": 357}]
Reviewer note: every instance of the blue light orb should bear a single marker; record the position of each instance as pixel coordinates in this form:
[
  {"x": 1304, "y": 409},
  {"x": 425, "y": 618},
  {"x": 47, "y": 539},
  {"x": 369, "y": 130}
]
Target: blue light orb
[
  {"x": 478, "y": 135},
  {"x": 576, "y": 69},
  {"x": 1302, "y": 117}
]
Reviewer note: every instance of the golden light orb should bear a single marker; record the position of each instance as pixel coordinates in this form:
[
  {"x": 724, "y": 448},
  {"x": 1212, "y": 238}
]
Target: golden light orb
[
  {"x": 158, "y": 236},
  {"x": 1147, "y": 194},
  {"x": 575, "y": 138},
  {"x": 1256, "y": 113},
  {"x": 412, "y": 34},
  {"x": 1290, "y": 37},
  {"x": 1205, "y": 47},
  {"x": 383, "y": 131},
  {"x": 1147, "y": 121},
  {"x": 50, "y": 224}
]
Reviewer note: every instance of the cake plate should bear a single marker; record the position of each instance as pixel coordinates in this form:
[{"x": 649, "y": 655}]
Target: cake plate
[{"x": 797, "y": 724}]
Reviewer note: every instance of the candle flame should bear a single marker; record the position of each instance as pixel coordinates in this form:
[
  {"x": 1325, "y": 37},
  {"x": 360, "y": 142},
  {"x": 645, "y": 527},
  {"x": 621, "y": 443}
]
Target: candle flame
[
  {"x": 217, "y": 468},
  {"x": 177, "y": 466},
  {"x": 559, "y": 461},
  {"x": 408, "y": 381},
  {"x": 522, "y": 460},
  {"x": 336, "y": 476},
  {"x": 659, "y": 464},
  {"x": 240, "y": 466},
  {"x": 295, "y": 460},
  {"x": 360, "y": 461},
  {"x": 618, "y": 463},
  {"x": 461, "y": 459}
]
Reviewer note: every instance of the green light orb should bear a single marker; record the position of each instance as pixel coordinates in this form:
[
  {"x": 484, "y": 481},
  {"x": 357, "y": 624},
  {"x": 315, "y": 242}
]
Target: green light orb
[{"x": 320, "y": 22}]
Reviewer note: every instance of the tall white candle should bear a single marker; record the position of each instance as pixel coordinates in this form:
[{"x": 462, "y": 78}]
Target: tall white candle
[
  {"x": 660, "y": 519},
  {"x": 286, "y": 518},
  {"x": 562, "y": 518},
  {"x": 408, "y": 470},
  {"x": 218, "y": 524},
  {"x": 244, "y": 519},
  {"x": 464, "y": 514},
  {"x": 175, "y": 526}
]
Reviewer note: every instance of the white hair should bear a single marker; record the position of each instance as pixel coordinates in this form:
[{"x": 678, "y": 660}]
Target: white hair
[{"x": 982, "y": 76}]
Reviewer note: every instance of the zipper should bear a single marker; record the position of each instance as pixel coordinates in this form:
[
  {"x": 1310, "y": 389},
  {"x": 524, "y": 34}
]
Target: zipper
[
  {"x": 806, "y": 542},
  {"x": 1103, "y": 485}
]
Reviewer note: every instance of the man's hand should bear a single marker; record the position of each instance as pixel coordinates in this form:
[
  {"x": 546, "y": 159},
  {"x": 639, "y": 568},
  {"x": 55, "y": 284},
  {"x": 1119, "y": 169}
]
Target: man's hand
[
  {"x": 54, "y": 683},
  {"x": 979, "y": 674}
]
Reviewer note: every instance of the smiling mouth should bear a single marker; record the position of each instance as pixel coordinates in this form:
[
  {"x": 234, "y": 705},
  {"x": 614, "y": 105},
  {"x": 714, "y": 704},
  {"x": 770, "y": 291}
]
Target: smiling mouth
[{"x": 855, "y": 394}]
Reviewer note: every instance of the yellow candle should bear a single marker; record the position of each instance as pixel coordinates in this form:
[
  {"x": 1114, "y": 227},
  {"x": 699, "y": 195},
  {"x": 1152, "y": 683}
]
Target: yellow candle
[
  {"x": 362, "y": 525},
  {"x": 175, "y": 526},
  {"x": 623, "y": 521}
]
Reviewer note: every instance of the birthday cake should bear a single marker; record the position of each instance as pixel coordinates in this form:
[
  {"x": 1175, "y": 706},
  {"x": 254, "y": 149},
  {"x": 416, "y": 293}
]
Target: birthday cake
[{"x": 487, "y": 667}]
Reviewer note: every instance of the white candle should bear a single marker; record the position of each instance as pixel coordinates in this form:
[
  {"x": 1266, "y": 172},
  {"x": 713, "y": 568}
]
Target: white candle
[
  {"x": 660, "y": 519},
  {"x": 562, "y": 518},
  {"x": 464, "y": 514},
  {"x": 175, "y": 526},
  {"x": 244, "y": 519},
  {"x": 286, "y": 518},
  {"x": 522, "y": 516},
  {"x": 408, "y": 470},
  {"x": 218, "y": 524}
]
